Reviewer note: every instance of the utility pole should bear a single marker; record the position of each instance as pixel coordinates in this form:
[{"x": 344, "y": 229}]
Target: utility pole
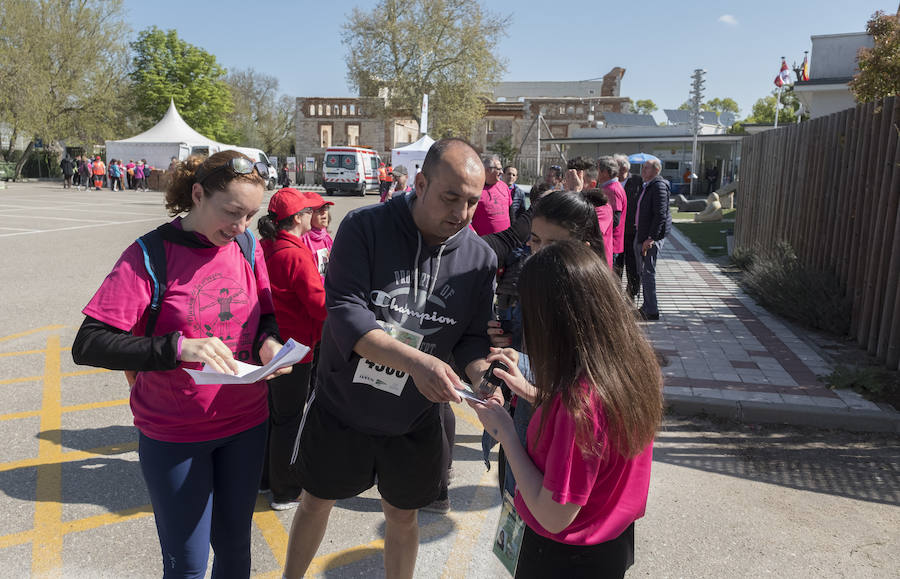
[{"x": 697, "y": 83}]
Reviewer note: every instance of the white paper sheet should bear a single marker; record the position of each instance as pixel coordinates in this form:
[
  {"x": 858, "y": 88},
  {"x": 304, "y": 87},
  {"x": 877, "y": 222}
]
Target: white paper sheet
[{"x": 291, "y": 353}]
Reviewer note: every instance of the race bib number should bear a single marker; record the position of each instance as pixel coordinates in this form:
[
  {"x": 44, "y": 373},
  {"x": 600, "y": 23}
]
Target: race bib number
[{"x": 384, "y": 377}]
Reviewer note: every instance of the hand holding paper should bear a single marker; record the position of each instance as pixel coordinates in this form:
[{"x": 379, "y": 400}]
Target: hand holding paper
[{"x": 291, "y": 353}]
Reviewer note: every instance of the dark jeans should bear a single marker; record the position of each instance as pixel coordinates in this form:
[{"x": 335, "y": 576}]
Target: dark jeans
[
  {"x": 647, "y": 272},
  {"x": 287, "y": 399},
  {"x": 203, "y": 494},
  {"x": 541, "y": 557},
  {"x": 626, "y": 262}
]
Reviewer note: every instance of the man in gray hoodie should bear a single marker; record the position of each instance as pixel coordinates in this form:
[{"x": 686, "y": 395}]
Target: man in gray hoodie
[{"x": 409, "y": 287}]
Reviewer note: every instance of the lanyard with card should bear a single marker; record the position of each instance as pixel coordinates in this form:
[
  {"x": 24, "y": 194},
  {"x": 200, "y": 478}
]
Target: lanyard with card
[
  {"x": 384, "y": 377},
  {"x": 509, "y": 535}
]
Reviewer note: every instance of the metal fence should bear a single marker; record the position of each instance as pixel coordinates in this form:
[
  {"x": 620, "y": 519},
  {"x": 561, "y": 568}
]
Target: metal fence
[{"x": 831, "y": 188}]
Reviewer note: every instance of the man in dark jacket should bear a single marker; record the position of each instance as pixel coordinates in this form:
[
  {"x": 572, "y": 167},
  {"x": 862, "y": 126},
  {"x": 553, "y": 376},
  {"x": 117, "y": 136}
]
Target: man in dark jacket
[
  {"x": 626, "y": 261},
  {"x": 68, "y": 169},
  {"x": 652, "y": 224},
  {"x": 409, "y": 285}
]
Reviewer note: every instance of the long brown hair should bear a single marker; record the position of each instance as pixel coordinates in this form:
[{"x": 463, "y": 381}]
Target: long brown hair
[
  {"x": 577, "y": 325},
  {"x": 178, "y": 195}
]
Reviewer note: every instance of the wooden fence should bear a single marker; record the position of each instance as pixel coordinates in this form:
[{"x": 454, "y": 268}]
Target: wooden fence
[{"x": 831, "y": 188}]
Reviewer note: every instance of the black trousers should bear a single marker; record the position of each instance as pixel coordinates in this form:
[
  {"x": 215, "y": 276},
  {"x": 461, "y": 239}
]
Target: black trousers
[
  {"x": 541, "y": 557},
  {"x": 626, "y": 262},
  {"x": 287, "y": 399}
]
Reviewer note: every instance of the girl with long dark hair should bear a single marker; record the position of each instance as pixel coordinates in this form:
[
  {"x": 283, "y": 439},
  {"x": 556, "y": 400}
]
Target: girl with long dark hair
[{"x": 583, "y": 475}]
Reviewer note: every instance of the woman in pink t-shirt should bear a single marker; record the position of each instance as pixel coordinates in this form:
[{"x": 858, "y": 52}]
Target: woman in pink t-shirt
[
  {"x": 317, "y": 239},
  {"x": 582, "y": 479},
  {"x": 201, "y": 448}
]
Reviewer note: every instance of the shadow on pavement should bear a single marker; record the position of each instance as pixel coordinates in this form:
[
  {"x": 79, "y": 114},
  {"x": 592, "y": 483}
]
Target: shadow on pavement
[{"x": 859, "y": 466}]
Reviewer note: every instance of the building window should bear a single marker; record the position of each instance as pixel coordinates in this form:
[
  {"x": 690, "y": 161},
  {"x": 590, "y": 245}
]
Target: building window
[
  {"x": 337, "y": 110},
  {"x": 320, "y": 110},
  {"x": 312, "y": 110},
  {"x": 579, "y": 111},
  {"x": 352, "y": 110},
  {"x": 327, "y": 111},
  {"x": 570, "y": 110},
  {"x": 490, "y": 126},
  {"x": 359, "y": 111},
  {"x": 353, "y": 135},
  {"x": 343, "y": 110},
  {"x": 562, "y": 109},
  {"x": 325, "y": 136}
]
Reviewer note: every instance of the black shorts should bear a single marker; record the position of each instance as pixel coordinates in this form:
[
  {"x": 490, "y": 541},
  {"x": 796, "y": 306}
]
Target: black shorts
[
  {"x": 337, "y": 462},
  {"x": 541, "y": 557}
]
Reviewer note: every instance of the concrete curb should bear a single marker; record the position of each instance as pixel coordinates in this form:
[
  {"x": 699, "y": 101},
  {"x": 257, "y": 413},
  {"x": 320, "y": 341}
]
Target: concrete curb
[{"x": 885, "y": 420}]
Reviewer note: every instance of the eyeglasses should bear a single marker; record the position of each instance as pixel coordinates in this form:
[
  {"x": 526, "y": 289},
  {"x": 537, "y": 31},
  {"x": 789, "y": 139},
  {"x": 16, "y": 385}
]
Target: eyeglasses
[
  {"x": 237, "y": 165},
  {"x": 493, "y": 168}
]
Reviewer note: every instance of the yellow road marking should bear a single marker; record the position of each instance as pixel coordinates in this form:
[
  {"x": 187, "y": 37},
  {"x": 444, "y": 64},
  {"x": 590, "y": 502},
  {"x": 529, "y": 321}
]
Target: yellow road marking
[
  {"x": 29, "y": 332},
  {"x": 14, "y": 539},
  {"x": 272, "y": 530},
  {"x": 58, "y": 373},
  {"x": 467, "y": 415},
  {"x": 470, "y": 526},
  {"x": 96, "y": 521},
  {"x": 26, "y": 352},
  {"x": 46, "y": 550},
  {"x": 61, "y": 458},
  {"x": 76, "y": 408}
]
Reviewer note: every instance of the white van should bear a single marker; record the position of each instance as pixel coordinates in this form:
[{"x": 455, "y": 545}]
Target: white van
[{"x": 351, "y": 169}]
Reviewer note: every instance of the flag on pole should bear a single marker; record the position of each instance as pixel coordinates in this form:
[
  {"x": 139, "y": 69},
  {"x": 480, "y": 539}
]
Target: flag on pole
[
  {"x": 784, "y": 76},
  {"x": 804, "y": 74}
]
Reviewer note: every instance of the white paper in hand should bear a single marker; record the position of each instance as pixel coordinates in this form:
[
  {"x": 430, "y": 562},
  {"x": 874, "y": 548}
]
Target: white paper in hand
[{"x": 289, "y": 354}]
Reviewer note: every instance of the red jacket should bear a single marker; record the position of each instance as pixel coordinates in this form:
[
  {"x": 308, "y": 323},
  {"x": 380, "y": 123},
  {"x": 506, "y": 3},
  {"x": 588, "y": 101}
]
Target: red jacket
[{"x": 296, "y": 289}]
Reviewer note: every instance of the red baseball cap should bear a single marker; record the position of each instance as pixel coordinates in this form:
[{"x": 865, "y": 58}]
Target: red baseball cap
[
  {"x": 286, "y": 202},
  {"x": 316, "y": 200}
]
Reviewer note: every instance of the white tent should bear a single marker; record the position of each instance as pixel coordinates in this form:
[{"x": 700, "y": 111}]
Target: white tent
[
  {"x": 170, "y": 137},
  {"x": 412, "y": 155}
]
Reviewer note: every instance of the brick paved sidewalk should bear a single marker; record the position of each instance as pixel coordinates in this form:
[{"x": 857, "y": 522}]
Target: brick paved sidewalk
[{"x": 729, "y": 356}]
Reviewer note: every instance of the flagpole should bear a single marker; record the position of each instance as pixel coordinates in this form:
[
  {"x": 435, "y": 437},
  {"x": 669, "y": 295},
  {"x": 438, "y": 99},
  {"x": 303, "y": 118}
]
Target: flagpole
[{"x": 777, "y": 102}]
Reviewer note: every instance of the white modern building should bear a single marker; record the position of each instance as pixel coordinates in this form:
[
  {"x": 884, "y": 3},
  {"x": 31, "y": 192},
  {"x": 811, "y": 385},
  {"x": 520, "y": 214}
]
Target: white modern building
[{"x": 832, "y": 64}]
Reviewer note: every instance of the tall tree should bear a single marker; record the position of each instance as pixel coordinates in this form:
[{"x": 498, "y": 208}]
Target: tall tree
[
  {"x": 879, "y": 66},
  {"x": 263, "y": 118},
  {"x": 166, "y": 67},
  {"x": 62, "y": 69},
  {"x": 720, "y": 106},
  {"x": 445, "y": 48},
  {"x": 644, "y": 107}
]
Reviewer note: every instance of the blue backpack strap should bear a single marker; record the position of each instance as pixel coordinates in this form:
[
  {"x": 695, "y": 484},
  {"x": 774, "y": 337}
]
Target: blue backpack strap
[
  {"x": 155, "y": 261},
  {"x": 247, "y": 242}
]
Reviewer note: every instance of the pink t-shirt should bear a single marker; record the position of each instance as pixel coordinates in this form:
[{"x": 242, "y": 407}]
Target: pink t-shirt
[
  {"x": 612, "y": 493},
  {"x": 619, "y": 201},
  {"x": 492, "y": 212},
  {"x": 319, "y": 243},
  {"x": 212, "y": 291},
  {"x": 605, "y": 218}
]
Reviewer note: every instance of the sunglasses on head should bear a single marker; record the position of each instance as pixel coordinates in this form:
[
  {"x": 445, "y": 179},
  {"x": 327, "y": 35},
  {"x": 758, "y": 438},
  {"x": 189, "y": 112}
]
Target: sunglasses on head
[{"x": 237, "y": 166}]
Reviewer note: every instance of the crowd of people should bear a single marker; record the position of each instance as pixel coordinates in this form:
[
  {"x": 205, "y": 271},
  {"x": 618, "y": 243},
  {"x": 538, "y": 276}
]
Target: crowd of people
[
  {"x": 84, "y": 172},
  {"x": 455, "y": 276}
]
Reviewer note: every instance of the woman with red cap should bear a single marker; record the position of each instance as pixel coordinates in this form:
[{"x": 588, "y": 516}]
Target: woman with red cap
[
  {"x": 299, "y": 298},
  {"x": 317, "y": 239}
]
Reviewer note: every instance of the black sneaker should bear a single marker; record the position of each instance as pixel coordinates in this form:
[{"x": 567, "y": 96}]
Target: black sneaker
[{"x": 644, "y": 316}]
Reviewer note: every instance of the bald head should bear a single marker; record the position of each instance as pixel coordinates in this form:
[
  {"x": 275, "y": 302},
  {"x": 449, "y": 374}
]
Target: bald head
[
  {"x": 447, "y": 189},
  {"x": 453, "y": 152}
]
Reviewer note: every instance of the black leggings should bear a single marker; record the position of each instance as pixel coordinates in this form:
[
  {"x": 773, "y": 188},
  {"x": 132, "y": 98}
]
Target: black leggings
[{"x": 541, "y": 557}]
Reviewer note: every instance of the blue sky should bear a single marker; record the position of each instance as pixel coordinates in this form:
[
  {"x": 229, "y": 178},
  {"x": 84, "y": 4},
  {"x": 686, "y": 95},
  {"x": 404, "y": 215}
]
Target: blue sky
[{"x": 659, "y": 43}]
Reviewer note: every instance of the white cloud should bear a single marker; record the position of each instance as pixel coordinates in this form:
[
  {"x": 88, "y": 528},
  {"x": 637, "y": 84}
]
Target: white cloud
[{"x": 728, "y": 19}]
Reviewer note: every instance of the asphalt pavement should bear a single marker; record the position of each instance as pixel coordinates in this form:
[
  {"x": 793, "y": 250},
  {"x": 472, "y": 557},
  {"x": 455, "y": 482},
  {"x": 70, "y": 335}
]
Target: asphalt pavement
[{"x": 726, "y": 499}]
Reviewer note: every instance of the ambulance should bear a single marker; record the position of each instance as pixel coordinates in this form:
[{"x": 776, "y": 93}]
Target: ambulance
[{"x": 350, "y": 169}]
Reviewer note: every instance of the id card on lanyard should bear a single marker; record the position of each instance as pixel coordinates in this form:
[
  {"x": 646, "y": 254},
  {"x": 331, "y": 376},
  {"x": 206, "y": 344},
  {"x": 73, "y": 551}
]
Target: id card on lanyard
[
  {"x": 509, "y": 535},
  {"x": 384, "y": 377}
]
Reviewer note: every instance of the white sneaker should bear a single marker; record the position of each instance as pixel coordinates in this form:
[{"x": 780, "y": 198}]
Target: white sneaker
[{"x": 285, "y": 505}]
